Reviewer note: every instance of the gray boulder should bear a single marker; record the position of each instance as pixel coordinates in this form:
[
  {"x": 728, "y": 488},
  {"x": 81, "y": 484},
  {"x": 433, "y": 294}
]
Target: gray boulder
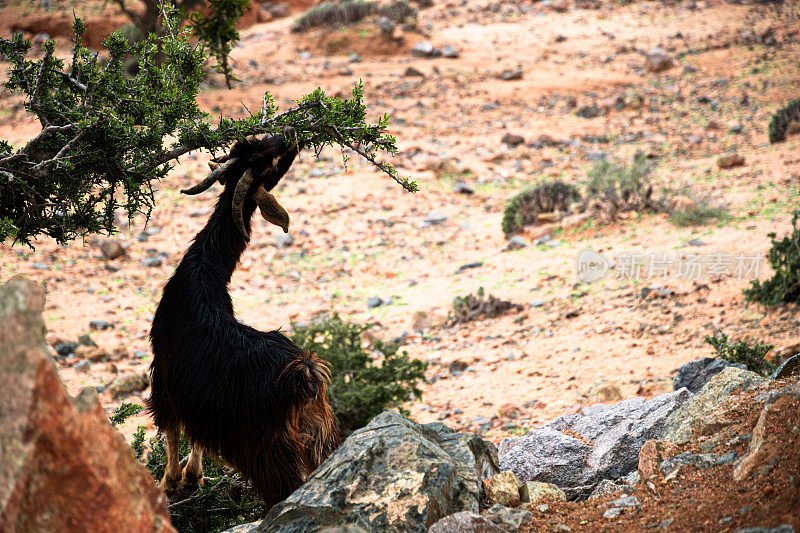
[
  {"x": 392, "y": 475},
  {"x": 506, "y": 518},
  {"x": 694, "y": 374},
  {"x": 616, "y": 432},
  {"x": 465, "y": 522},
  {"x": 707, "y": 411}
]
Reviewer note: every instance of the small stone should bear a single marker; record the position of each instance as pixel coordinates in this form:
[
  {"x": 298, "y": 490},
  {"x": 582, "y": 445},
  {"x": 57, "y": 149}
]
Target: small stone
[
  {"x": 730, "y": 161},
  {"x": 82, "y": 366},
  {"x": 561, "y": 527},
  {"x": 411, "y": 72},
  {"x": 560, "y": 5},
  {"x": 657, "y": 60},
  {"x": 626, "y": 501},
  {"x": 533, "y": 491},
  {"x": 512, "y": 139},
  {"x": 450, "y": 52},
  {"x": 543, "y": 508},
  {"x": 112, "y": 249},
  {"x": 517, "y": 242},
  {"x": 612, "y": 513},
  {"x": 91, "y": 353},
  {"x": 511, "y": 74},
  {"x": 504, "y": 489},
  {"x": 41, "y": 266},
  {"x": 734, "y": 126},
  {"x": 425, "y": 49},
  {"x": 696, "y": 242},
  {"x": 65, "y": 348},
  {"x": 537, "y": 303},
  {"x": 434, "y": 218},
  {"x": 156, "y": 261},
  {"x": 86, "y": 340},
  {"x": 506, "y": 518},
  {"x": 457, "y": 366},
  {"x": 128, "y": 383},
  {"x": 100, "y": 325},
  {"x": 374, "y": 302},
  {"x": 284, "y": 240},
  {"x": 462, "y": 187}
]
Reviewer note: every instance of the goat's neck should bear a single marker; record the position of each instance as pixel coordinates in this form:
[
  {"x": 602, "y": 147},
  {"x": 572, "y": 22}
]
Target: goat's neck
[{"x": 217, "y": 248}]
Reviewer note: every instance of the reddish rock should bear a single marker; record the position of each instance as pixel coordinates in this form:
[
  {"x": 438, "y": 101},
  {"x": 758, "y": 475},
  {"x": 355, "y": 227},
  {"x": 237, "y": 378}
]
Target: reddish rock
[
  {"x": 62, "y": 466},
  {"x": 651, "y": 455},
  {"x": 730, "y": 161}
]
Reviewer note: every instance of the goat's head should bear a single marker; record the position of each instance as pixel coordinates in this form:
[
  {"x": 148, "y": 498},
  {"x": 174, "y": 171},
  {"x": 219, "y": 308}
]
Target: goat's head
[{"x": 259, "y": 165}]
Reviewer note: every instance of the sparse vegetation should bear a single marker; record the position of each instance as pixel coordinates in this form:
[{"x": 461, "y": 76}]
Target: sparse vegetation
[
  {"x": 786, "y": 118},
  {"x": 339, "y": 14},
  {"x": 364, "y": 383},
  {"x": 699, "y": 215},
  {"x": 784, "y": 259},
  {"x": 524, "y": 207},
  {"x": 614, "y": 187},
  {"x": 479, "y": 306},
  {"x": 742, "y": 352}
]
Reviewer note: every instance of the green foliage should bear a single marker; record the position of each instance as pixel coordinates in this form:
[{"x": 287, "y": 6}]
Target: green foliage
[
  {"x": 784, "y": 259},
  {"x": 137, "y": 443},
  {"x": 782, "y": 119},
  {"x": 334, "y": 15},
  {"x": 477, "y": 307},
  {"x": 216, "y": 29},
  {"x": 614, "y": 187},
  {"x": 524, "y": 207},
  {"x": 106, "y": 135},
  {"x": 742, "y": 352},
  {"x": 363, "y": 384},
  {"x": 123, "y": 412}
]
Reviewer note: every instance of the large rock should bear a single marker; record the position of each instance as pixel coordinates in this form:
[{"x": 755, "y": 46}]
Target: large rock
[
  {"x": 62, "y": 466},
  {"x": 465, "y": 522},
  {"x": 707, "y": 410},
  {"x": 608, "y": 448},
  {"x": 392, "y": 475},
  {"x": 695, "y": 374}
]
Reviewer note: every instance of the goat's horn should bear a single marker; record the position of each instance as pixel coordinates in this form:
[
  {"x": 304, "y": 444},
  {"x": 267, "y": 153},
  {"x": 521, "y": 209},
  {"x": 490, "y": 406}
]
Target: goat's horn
[
  {"x": 239, "y": 194},
  {"x": 271, "y": 210},
  {"x": 216, "y": 174}
]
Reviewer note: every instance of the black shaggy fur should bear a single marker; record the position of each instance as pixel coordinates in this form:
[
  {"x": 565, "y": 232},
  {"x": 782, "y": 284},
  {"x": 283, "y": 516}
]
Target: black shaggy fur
[{"x": 252, "y": 398}]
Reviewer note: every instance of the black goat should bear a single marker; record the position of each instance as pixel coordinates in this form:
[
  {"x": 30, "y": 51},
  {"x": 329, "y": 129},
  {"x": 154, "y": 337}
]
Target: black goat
[{"x": 252, "y": 398}]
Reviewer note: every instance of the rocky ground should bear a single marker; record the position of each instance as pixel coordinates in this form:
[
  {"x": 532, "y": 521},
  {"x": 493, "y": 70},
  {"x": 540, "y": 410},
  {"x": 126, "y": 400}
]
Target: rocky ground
[{"x": 572, "y": 80}]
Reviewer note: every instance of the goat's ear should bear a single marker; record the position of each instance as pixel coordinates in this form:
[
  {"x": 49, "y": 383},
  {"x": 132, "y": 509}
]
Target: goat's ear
[{"x": 271, "y": 210}]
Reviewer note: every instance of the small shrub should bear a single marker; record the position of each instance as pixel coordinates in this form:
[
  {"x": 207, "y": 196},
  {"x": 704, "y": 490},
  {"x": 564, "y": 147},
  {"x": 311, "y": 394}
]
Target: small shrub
[
  {"x": 700, "y": 215},
  {"x": 525, "y": 206},
  {"x": 614, "y": 187},
  {"x": 334, "y": 15},
  {"x": 782, "y": 119},
  {"x": 363, "y": 384},
  {"x": 123, "y": 412},
  {"x": 476, "y": 307},
  {"x": 784, "y": 259},
  {"x": 742, "y": 352}
]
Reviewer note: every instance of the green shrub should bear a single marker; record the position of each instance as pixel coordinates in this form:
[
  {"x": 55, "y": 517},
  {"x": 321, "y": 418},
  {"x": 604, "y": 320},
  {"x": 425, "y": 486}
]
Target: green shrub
[
  {"x": 334, "y": 15},
  {"x": 742, "y": 352},
  {"x": 476, "y": 307},
  {"x": 363, "y": 384},
  {"x": 782, "y": 119},
  {"x": 524, "y": 207},
  {"x": 614, "y": 187},
  {"x": 123, "y": 412},
  {"x": 784, "y": 259}
]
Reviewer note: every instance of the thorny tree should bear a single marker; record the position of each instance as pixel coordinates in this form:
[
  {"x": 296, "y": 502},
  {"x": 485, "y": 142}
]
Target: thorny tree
[{"x": 107, "y": 135}]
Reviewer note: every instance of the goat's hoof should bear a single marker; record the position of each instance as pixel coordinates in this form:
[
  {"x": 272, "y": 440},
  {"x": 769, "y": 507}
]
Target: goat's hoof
[
  {"x": 191, "y": 479},
  {"x": 171, "y": 485}
]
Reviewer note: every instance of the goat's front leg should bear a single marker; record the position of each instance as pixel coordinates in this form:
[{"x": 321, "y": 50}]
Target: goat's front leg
[
  {"x": 172, "y": 474},
  {"x": 193, "y": 471}
]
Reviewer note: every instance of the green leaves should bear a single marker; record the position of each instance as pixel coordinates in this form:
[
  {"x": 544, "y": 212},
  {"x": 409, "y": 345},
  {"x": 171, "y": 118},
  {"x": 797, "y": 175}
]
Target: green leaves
[
  {"x": 107, "y": 134},
  {"x": 784, "y": 259}
]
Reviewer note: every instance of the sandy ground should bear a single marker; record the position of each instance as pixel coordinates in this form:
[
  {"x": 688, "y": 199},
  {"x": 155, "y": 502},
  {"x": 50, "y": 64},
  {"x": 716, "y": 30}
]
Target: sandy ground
[{"x": 357, "y": 235}]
